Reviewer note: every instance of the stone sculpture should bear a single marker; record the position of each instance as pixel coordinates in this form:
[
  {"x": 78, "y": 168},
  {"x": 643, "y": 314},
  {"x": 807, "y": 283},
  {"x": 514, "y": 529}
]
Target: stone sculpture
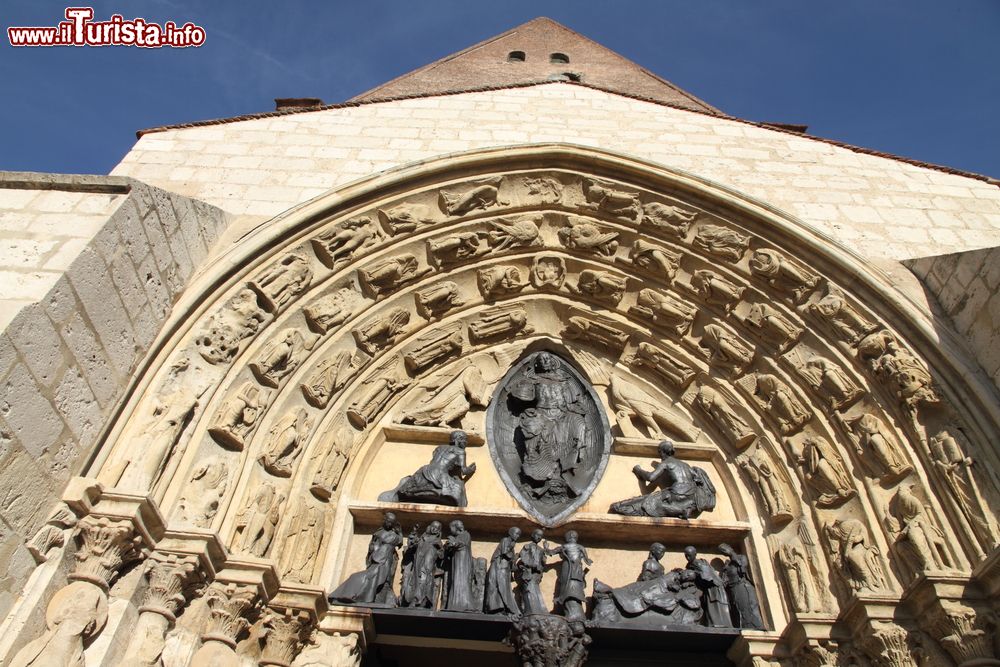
[
  {"x": 373, "y": 585},
  {"x": 655, "y": 260},
  {"x": 571, "y": 587},
  {"x": 677, "y": 489},
  {"x": 824, "y": 472},
  {"x": 258, "y": 520},
  {"x": 341, "y": 243},
  {"x": 841, "y": 317},
  {"x": 303, "y": 538},
  {"x": 757, "y": 466},
  {"x": 331, "y": 310},
  {"x": 548, "y": 272},
  {"x": 772, "y": 327},
  {"x": 897, "y": 367},
  {"x": 390, "y": 274},
  {"x": 460, "y": 570},
  {"x": 447, "y": 400},
  {"x": 795, "y": 567},
  {"x": 499, "y": 598},
  {"x": 238, "y": 417},
  {"x": 512, "y": 233},
  {"x": 859, "y": 562},
  {"x": 422, "y": 567},
  {"x": 583, "y": 235},
  {"x": 280, "y": 357},
  {"x": 740, "y": 589},
  {"x": 376, "y": 392},
  {"x": 505, "y": 321},
  {"x": 434, "y": 347},
  {"x": 725, "y": 349},
  {"x": 714, "y": 601},
  {"x": 772, "y": 394},
  {"x": 457, "y": 248},
  {"x": 722, "y": 414},
  {"x": 664, "y": 310},
  {"x": 632, "y": 405},
  {"x": 284, "y": 443},
  {"x": 603, "y": 197},
  {"x": 722, "y": 242},
  {"x": 602, "y": 285},
  {"x": 485, "y": 194},
  {"x": 54, "y": 534},
  {"x": 716, "y": 290},
  {"x": 330, "y": 376},
  {"x": 547, "y": 640},
  {"x": 831, "y": 382},
  {"x": 76, "y": 614},
  {"x": 673, "y": 220},
  {"x": 204, "y": 491},
  {"x": 434, "y": 301},
  {"x": 405, "y": 218},
  {"x": 782, "y": 274},
  {"x": 498, "y": 281},
  {"x": 382, "y": 331},
  {"x": 279, "y": 284},
  {"x": 442, "y": 481},
  {"x": 648, "y": 356},
  {"x": 879, "y": 453},
  {"x": 230, "y": 327},
  {"x": 332, "y": 459},
  {"x": 598, "y": 332},
  {"x": 915, "y": 529},
  {"x": 530, "y": 567},
  {"x": 955, "y": 468},
  {"x": 543, "y": 189}
]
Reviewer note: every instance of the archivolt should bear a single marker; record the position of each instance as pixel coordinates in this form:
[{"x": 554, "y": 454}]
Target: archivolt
[{"x": 275, "y": 369}]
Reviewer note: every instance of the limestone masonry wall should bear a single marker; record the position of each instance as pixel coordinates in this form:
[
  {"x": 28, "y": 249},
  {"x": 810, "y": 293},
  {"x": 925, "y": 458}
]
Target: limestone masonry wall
[{"x": 878, "y": 207}]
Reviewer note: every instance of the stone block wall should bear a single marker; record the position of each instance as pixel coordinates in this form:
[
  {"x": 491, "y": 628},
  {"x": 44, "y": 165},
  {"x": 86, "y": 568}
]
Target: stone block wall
[{"x": 68, "y": 353}]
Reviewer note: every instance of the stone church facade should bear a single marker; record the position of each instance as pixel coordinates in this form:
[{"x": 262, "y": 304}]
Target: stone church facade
[{"x": 221, "y": 364}]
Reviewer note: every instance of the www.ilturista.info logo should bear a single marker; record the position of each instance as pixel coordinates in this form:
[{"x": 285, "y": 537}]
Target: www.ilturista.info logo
[{"x": 79, "y": 29}]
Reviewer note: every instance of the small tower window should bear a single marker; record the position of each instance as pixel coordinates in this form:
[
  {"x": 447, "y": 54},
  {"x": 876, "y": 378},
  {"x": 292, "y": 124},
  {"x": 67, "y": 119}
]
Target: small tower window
[
  {"x": 515, "y": 57},
  {"x": 558, "y": 59}
]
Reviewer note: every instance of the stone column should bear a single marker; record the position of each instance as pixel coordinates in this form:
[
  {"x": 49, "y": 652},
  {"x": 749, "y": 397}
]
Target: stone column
[
  {"x": 230, "y": 608},
  {"x": 285, "y": 630},
  {"x": 954, "y": 611},
  {"x": 171, "y": 578}
]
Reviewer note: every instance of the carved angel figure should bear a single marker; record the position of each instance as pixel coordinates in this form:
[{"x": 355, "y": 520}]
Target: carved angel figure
[
  {"x": 256, "y": 523},
  {"x": 722, "y": 242},
  {"x": 758, "y": 468},
  {"x": 715, "y": 289},
  {"x": 330, "y": 375},
  {"x": 673, "y": 220},
  {"x": 583, "y": 235},
  {"x": 434, "y": 347},
  {"x": 333, "y": 458},
  {"x": 780, "y": 273},
  {"x": 340, "y": 243},
  {"x": 303, "y": 538},
  {"x": 655, "y": 259},
  {"x": 858, "y": 561},
  {"x": 379, "y": 390},
  {"x": 798, "y": 574},
  {"x": 724, "y": 348},
  {"x": 632, "y": 404},
  {"x": 831, "y": 381},
  {"x": 238, "y": 417},
  {"x": 509, "y": 233}
]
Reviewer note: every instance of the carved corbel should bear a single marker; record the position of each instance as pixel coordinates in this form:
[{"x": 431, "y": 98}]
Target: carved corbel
[{"x": 53, "y": 534}]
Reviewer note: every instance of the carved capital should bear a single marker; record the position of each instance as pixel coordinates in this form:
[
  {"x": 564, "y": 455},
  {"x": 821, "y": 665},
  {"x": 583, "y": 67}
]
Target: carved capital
[
  {"x": 230, "y": 606},
  {"x": 105, "y": 545},
  {"x": 817, "y": 654},
  {"x": 172, "y": 578},
  {"x": 337, "y": 649},
  {"x": 960, "y": 631},
  {"x": 547, "y": 640},
  {"x": 887, "y": 645},
  {"x": 285, "y": 631}
]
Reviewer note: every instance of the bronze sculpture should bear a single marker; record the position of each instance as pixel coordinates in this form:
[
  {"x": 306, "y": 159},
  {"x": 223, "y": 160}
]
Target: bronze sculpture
[
  {"x": 679, "y": 490},
  {"x": 373, "y": 584},
  {"x": 441, "y": 481}
]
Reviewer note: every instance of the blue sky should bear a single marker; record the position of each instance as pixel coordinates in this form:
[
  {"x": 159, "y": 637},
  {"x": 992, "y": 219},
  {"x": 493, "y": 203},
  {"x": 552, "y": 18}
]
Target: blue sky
[{"x": 919, "y": 78}]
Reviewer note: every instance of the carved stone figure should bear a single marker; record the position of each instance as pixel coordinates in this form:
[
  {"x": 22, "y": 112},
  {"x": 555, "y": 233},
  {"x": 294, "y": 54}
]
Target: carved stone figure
[
  {"x": 716, "y": 605},
  {"x": 442, "y": 481},
  {"x": 277, "y": 285},
  {"x": 170, "y": 418},
  {"x": 782, "y": 274},
  {"x": 676, "y": 489},
  {"x": 422, "y": 567},
  {"x": 229, "y": 327},
  {"x": 344, "y": 241},
  {"x": 725, "y": 349},
  {"x": 548, "y": 434},
  {"x": 332, "y": 458},
  {"x": 632, "y": 404},
  {"x": 257, "y": 521},
  {"x": 507, "y": 321},
  {"x": 722, "y": 242},
  {"x": 602, "y": 285},
  {"x": 238, "y": 417},
  {"x": 836, "y": 312},
  {"x": 434, "y": 347},
  {"x": 955, "y": 468},
  {"x": 382, "y": 331},
  {"x": 648, "y": 356},
  {"x": 390, "y": 274},
  {"x": 877, "y": 450},
  {"x": 831, "y": 382},
  {"x": 331, "y": 310},
  {"x": 730, "y": 423},
  {"x": 373, "y": 585},
  {"x": 449, "y": 399},
  {"x": 58, "y": 527},
  {"x": 571, "y": 586},
  {"x": 303, "y": 538},
  {"x": 664, "y": 310},
  {"x": 654, "y": 259},
  {"x": 511, "y": 233},
  {"x": 543, "y": 189},
  {"x": 616, "y": 203},
  {"x": 740, "y": 589},
  {"x": 716, "y": 290},
  {"x": 485, "y": 194},
  {"x": 499, "y": 598},
  {"x": 781, "y": 405},
  {"x": 904, "y": 373},
  {"x": 331, "y": 374},
  {"x": 457, "y": 248},
  {"x": 330, "y": 650},
  {"x": 758, "y": 468},
  {"x": 798, "y": 573},
  {"x": 530, "y": 566},
  {"x": 548, "y": 272},
  {"x": 498, "y": 281},
  {"x": 436, "y": 300},
  {"x": 547, "y": 640},
  {"x": 376, "y": 392},
  {"x": 673, "y": 220},
  {"x": 913, "y": 527},
  {"x": 405, "y": 218},
  {"x": 280, "y": 357},
  {"x": 76, "y": 614},
  {"x": 593, "y": 331},
  {"x": 284, "y": 443},
  {"x": 771, "y": 326},
  {"x": 459, "y": 568},
  {"x": 825, "y": 473},
  {"x": 583, "y": 235},
  {"x": 858, "y": 561},
  {"x": 200, "y": 502}
]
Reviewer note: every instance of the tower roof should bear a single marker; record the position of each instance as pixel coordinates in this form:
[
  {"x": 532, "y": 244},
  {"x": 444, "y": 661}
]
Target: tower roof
[{"x": 538, "y": 50}]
